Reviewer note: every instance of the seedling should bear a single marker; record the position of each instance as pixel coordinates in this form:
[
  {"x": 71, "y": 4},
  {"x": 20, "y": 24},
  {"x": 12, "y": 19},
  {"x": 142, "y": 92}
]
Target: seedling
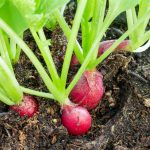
[
  {"x": 140, "y": 37},
  {"x": 92, "y": 52},
  {"x": 93, "y": 30},
  {"x": 35, "y": 22},
  {"x": 11, "y": 93}
]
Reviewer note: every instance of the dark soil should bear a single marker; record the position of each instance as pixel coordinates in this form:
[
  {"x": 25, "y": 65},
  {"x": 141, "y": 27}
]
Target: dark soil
[{"x": 120, "y": 122}]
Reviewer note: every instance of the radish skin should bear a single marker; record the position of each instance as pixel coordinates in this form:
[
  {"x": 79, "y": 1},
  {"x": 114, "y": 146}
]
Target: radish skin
[
  {"x": 89, "y": 90},
  {"x": 76, "y": 119},
  {"x": 28, "y": 107}
]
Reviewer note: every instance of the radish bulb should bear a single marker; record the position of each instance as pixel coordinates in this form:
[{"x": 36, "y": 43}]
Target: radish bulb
[
  {"x": 104, "y": 46},
  {"x": 89, "y": 90},
  {"x": 76, "y": 119},
  {"x": 28, "y": 107},
  {"x": 74, "y": 61}
]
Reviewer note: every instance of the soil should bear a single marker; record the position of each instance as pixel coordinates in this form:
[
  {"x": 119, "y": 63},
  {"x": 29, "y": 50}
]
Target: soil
[{"x": 120, "y": 122}]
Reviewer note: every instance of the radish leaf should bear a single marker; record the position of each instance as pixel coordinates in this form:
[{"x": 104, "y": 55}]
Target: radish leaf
[{"x": 10, "y": 14}]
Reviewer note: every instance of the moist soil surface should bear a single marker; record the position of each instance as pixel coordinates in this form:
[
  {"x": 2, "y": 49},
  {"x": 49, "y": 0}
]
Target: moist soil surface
[{"x": 120, "y": 122}]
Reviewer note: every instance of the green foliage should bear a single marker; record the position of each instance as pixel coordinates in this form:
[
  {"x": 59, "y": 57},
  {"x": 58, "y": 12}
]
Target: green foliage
[
  {"x": 2, "y": 2},
  {"x": 18, "y": 15},
  {"x": 22, "y": 14},
  {"x": 37, "y": 12},
  {"x": 26, "y": 7},
  {"x": 12, "y": 17},
  {"x": 140, "y": 35}
]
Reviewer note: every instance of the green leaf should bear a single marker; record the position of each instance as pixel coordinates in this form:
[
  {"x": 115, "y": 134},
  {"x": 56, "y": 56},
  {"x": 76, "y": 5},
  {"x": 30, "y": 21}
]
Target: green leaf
[
  {"x": 37, "y": 12},
  {"x": 45, "y": 9},
  {"x": 25, "y": 6},
  {"x": 48, "y": 6},
  {"x": 10, "y": 14},
  {"x": 2, "y": 2}
]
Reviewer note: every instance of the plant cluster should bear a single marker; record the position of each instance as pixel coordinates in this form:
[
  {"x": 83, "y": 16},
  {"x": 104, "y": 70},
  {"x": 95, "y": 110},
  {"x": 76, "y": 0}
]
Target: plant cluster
[{"x": 86, "y": 89}]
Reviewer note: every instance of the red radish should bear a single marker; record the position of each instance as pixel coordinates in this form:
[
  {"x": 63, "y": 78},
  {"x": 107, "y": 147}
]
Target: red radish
[
  {"x": 89, "y": 90},
  {"x": 28, "y": 107},
  {"x": 74, "y": 61},
  {"x": 124, "y": 45},
  {"x": 76, "y": 119}
]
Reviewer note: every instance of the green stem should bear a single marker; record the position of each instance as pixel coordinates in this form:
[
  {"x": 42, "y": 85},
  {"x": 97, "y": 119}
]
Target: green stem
[
  {"x": 144, "y": 8},
  {"x": 142, "y": 48},
  {"x": 63, "y": 24},
  {"x": 85, "y": 27},
  {"x": 44, "y": 49},
  {"x": 15, "y": 50},
  {"x": 130, "y": 23},
  {"x": 125, "y": 35},
  {"x": 107, "y": 22},
  {"x": 147, "y": 36},
  {"x": 101, "y": 19},
  {"x": 134, "y": 15},
  {"x": 37, "y": 93},
  {"x": 6, "y": 100},
  {"x": 97, "y": 23},
  {"x": 59, "y": 96},
  {"x": 9, "y": 83},
  {"x": 4, "y": 51},
  {"x": 142, "y": 41},
  {"x": 94, "y": 48},
  {"x": 18, "y": 51},
  {"x": 94, "y": 27},
  {"x": 12, "y": 49},
  {"x": 69, "y": 51}
]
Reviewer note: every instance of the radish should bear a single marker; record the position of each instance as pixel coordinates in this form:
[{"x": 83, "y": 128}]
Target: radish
[
  {"x": 74, "y": 61},
  {"x": 124, "y": 45},
  {"x": 28, "y": 107},
  {"x": 76, "y": 119},
  {"x": 89, "y": 89}
]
